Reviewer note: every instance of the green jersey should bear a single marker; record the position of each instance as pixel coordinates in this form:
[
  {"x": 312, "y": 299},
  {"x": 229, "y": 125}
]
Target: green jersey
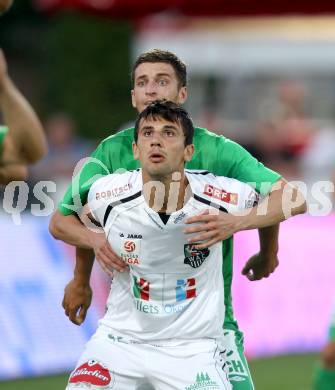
[
  {"x": 3, "y": 132},
  {"x": 332, "y": 327},
  {"x": 213, "y": 153}
]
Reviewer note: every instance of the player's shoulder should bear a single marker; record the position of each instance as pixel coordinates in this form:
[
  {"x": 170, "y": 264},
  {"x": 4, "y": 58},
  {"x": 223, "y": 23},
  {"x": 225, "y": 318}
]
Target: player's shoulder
[
  {"x": 209, "y": 138},
  {"x": 220, "y": 189},
  {"x": 122, "y": 135},
  {"x": 117, "y": 186}
]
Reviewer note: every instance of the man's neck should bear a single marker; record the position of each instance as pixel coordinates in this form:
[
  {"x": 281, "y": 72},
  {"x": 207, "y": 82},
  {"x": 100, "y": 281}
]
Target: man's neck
[{"x": 166, "y": 194}]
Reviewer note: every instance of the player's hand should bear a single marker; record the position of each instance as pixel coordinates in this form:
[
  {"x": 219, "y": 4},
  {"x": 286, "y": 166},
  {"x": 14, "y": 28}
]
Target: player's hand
[
  {"x": 328, "y": 356},
  {"x": 260, "y": 266},
  {"x": 105, "y": 255},
  {"x": 211, "y": 228},
  {"x": 77, "y": 299}
]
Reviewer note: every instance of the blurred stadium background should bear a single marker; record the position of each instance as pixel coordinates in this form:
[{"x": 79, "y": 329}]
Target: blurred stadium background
[{"x": 261, "y": 74}]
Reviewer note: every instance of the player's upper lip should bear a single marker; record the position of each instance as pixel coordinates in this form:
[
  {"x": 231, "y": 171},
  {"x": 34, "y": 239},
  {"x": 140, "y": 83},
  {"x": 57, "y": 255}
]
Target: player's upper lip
[{"x": 156, "y": 153}]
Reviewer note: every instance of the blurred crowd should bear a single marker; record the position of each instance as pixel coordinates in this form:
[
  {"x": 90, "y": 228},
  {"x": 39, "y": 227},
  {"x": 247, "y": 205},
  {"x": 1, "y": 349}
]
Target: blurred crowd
[
  {"x": 66, "y": 149},
  {"x": 283, "y": 134}
]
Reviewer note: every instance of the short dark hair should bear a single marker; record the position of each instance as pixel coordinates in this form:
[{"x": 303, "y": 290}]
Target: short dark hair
[
  {"x": 158, "y": 55},
  {"x": 171, "y": 112}
]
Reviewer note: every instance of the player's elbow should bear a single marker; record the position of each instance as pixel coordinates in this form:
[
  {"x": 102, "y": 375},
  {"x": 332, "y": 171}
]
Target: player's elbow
[
  {"x": 13, "y": 173},
  {"x": 294, "y": 202},
  {"x": 37, "y": 152},
  {"x": 55, "y": 226},
  {"x": 301, "y": 203},
  {"x": 21, "y": 173}
]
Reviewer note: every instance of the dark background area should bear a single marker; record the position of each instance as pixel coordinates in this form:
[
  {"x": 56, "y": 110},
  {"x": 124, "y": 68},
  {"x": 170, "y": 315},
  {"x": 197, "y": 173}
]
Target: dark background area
[{"x": 70, "y": 62}]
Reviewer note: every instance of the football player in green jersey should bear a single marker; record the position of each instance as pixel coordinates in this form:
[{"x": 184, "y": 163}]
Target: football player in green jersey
[
  {"x": 325, "y": 372},
  {"x": 22, "y": 140},
  {"x": 159, "y": 74}
]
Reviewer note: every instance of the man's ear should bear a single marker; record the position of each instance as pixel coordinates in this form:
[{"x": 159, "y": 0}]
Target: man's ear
[
  {"x": 182, "y": 95},
  {"x": 136, "y": 152},
  {"x": 188, "y": 152},
  {"x": 133, "y": 103}
]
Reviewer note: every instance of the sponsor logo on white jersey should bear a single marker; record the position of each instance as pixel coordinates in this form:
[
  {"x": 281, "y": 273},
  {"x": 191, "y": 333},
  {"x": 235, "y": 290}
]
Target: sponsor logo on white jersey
[
  {"x": 185, "y": 291},
  {"x": 94, "y": 374},
  {"x": 203, "y": 382},
  {"x": 113, "y": 192},
  {"x": 220, "y": 194},
  {"x": 130, "y": 251}
]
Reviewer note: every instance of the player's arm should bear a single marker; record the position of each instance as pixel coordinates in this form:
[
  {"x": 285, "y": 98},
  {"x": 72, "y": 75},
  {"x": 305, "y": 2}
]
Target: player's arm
[
  {"x": 264, "y": 263},
  {"x": 14, "y": 172},
  {"x": 5, "y": 5},
  {"x": 71, "y": 230},
  {"x": 328, "y": 351},
  {"x": 24, "y": 126},
  {"x": 78, "y": 293},
  {"x": 246, "y": 168},
  {"x": 283, "y": 201},
  {"x": 10, "y": 171},
  {"x": 65, "y": 223}
]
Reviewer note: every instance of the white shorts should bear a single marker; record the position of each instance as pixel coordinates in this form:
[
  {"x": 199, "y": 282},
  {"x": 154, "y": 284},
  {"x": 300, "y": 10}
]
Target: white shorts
[{"x": 113, "y": 362}]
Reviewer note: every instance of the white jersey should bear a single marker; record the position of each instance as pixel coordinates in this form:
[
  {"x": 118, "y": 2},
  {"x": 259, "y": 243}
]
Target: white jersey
[{"x": 173, "y": 291}]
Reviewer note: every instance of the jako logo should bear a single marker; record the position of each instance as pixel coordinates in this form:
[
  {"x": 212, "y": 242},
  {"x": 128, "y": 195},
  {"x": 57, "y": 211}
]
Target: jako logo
[{"x": 129, "y": 246}]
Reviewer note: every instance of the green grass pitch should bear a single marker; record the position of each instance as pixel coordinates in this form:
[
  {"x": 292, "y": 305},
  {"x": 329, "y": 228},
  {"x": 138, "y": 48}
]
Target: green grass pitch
[{"x": 292, "y": 372}]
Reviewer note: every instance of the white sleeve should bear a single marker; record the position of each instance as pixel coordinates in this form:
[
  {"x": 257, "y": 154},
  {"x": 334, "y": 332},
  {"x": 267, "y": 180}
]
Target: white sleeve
[
  {"x": 97, "y": 203},
  {"x": 248, "y": 197},
  {"x": 238, "y": 194}
]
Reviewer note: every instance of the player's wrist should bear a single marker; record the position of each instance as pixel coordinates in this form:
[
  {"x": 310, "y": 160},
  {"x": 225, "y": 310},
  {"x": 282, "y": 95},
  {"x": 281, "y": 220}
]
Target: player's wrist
[
  {"x": 269, "y": 248},
  {"x": 268, "y": 255},
  {"x": 5, "y": 84},
  {"x": 81, "y": 279}
]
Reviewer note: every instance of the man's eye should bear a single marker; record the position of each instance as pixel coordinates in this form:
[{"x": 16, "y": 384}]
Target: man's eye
[
  {"x": 162, "y": 82},
  {"x": 169, "y": 133},
  {"x": 140, "y": 83},
  {"x": 147, "y": 133}
]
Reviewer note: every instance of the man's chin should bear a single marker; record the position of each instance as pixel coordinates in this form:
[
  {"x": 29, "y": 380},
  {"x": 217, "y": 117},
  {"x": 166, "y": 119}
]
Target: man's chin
[{"x": 158, "y": 173}]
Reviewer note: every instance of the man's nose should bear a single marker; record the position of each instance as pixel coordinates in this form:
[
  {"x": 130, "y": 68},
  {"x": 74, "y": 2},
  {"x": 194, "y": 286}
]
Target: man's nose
[
  {"x": 151, "y": 88},
  {"x": 156, "y": 139}
]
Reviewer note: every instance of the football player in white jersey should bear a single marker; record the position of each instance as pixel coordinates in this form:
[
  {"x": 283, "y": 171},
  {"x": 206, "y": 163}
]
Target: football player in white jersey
[{"x": 163, "y": 325}]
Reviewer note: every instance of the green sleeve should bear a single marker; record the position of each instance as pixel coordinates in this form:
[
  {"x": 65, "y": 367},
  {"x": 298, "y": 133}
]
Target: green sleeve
[
  {"x": 241, "y": 165},
  {"x": 94, "y": 167},
  {"x": 3, "y": 132},
  {"x": 331, "y": 332},
  {"x": 224, "y": 157}
]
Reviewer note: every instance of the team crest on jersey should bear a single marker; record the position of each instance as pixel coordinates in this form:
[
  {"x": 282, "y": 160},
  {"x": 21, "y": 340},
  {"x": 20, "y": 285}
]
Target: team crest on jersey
[
  {"x": 252, "y": 200},
  {"x": 193, "y": 256},
  {"x": 130, "y": 251},
  {"x": 94, "y": 375}
]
